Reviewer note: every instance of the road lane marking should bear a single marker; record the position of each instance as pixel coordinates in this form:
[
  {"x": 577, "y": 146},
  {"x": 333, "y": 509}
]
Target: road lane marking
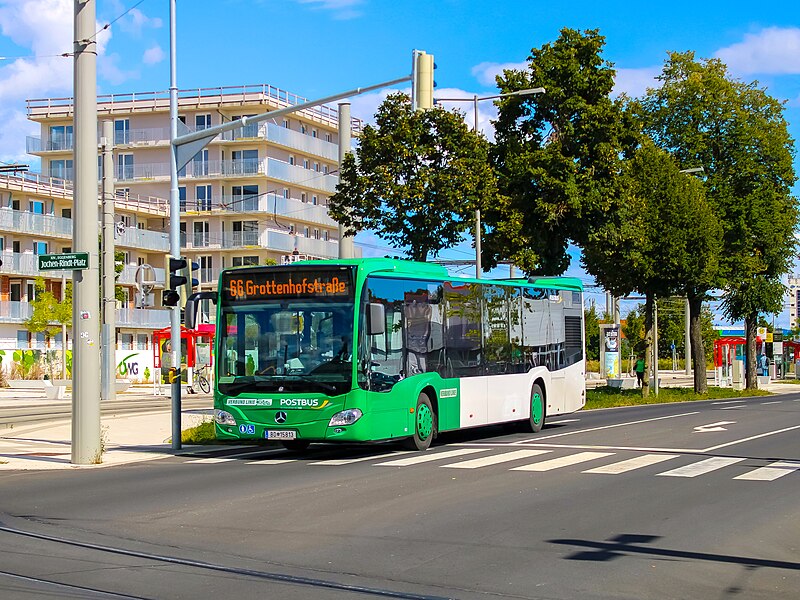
[
  {"x": 751, "y": 438},
  {"x": 771, "y": 472},
  {"x": 702, "y": 467},
  {"x": 346, "y": 461},
  {"x": 564, "y": 461},
  {"x": 730, "y": 407},
  {"x": 229, "y": 457},
  {"x": 773, "y": 402},
  {"x": 495, "y": 459},
  {"x": 638, "y": 462},
  {"x": 428, "y": 457},
  {"x": 547, "y": 437},
  {"x": 712, "y": 427},
  {"x": 271, "y": 461},
  {"x": 726, "y": 402},
  {"x": 563, "y": 421}
]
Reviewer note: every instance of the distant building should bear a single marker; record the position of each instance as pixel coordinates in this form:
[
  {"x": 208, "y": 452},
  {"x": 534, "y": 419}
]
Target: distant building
[{"x": 794, "y": 299}]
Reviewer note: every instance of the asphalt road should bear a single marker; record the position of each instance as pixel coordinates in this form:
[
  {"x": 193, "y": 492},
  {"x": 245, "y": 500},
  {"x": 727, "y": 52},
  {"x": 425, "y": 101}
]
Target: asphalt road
[{"x": 691, "y": 500}]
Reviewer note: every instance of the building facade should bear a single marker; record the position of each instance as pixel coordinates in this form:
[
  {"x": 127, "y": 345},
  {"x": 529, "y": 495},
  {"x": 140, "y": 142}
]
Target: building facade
[{"x": 254, "y": 195}]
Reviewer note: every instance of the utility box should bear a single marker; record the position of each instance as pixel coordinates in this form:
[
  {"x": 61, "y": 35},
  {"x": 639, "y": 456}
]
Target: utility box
[{"x": 737, "y": 374}]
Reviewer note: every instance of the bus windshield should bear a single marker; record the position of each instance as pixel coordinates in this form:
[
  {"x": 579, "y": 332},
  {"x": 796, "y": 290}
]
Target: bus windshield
[{"x": 303, "y": 345}]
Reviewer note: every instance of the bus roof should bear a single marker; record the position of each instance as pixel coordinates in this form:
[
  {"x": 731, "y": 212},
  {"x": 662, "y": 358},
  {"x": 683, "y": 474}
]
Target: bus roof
[{"x": 402, "y": 266}]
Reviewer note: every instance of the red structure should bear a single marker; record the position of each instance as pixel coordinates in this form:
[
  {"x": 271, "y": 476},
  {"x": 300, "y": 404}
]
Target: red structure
[{"x": 189, "y": 339}]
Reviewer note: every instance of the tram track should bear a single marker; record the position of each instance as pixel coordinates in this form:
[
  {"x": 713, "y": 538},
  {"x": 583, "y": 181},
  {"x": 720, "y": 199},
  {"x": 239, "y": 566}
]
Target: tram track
[{"x": 160, "y": 559}]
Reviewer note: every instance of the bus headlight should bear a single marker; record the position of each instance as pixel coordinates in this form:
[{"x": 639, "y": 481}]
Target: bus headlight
[
  {"x": 224, "y": 418},
  {"x": 346, "y": 417}
]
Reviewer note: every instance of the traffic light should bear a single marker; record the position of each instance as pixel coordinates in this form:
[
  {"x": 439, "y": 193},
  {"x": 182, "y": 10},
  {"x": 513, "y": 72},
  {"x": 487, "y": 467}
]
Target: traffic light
[
  {"x": 189, "y": 281},
  {"x": 422, "y": 82},
  {"x": 176, "y": 280}
]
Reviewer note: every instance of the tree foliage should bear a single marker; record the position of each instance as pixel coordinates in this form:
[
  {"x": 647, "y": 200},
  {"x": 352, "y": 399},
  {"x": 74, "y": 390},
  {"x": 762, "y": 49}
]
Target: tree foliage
[
  {"x": 738, "y": 134},
  {"x": 49, "y": 312},
  {"x": 416, "y": 179},
  {"x": 556, "y": 154}
]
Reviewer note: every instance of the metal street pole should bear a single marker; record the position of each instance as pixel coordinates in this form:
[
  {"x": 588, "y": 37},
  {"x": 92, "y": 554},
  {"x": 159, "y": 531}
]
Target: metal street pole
[
  {"x": 346, "y": 243},
  {"x": 174, "y": 229},
  {"x": 86, "y": 443},
  {"x": 687, "y": 339},
  {"x": 108, "y": 369}
]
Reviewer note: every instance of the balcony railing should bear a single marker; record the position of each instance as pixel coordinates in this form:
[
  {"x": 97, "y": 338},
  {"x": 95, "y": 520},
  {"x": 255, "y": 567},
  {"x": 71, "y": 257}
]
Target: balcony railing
[
  {"x": 194, "y": 169},
  {"x": 143, "y": 318},
  {"x": 302, "y": 141},
  {"x": 32, "y": 223},
  {"x": 23, "y": 263},
  {"x": 35, "y": 144},
  {"x": 239, "y": 239},
  {"x": 155, "y": 241},
  {"x": 14, "y": 311},
  {"x": 298, "y": 175}
]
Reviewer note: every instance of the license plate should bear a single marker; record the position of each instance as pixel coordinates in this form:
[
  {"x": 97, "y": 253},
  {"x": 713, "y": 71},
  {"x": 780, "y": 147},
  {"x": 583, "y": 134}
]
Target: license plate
[{"x": 280, "y": 435}]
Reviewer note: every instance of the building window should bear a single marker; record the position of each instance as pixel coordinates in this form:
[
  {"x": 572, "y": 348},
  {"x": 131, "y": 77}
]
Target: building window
[
  {"x": 36, "y": 207},
  {"x": 22, "y": 338},
  {"x": 141, "y": 341},
  {"x": 305, "y": 163},
  {"x": 328, "y": 137},
  {"x": 125, "y": 166},
  {"x": 201, "y": 230},
  {"x": 245, "y": 198},
  {"x": 245, "y": 162},
  {"x": 206, "y": 269},
  {"x": 182, "y": 197},
  {"x": 316, "y": 167},
  {"x": 15, "y": 248},
  {"x": 122, "y": 131},
  {"x": 202, "y": 122},
  {"x": 66, "y": 213},
  {"x": 291, "y": 160},
  {"x": 325, "y": 169},
  {"x": 286, "y": 123},
  {"x": 39, "y": 248},
  {"x": 60, "y": 169},
  {"x": 303, "y": 128},
  {"x": 245, "y": 233},
  {"x": 245, "y": 261},
  {"x": 314, "y": 200},
  {"x": 326, "y": 236},
  {"x": 313, "y": 133},
  {"x": 60, "y": 137},
  {"x": 203, "y": 195},
  {"x": 126, "y": 341},
  {"x": 305, "y": 232},
  {"x": 303, "y": 197},
  {"x": 316, "y": 234},
  {"x": 285, "y": 192},
  {"x": 200, "y": 164}
]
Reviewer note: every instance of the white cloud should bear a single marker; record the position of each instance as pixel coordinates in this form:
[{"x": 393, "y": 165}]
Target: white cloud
[
  {"x": 342, "y": 9},
  {"x": 135, "y": 22},
  {"x": 153, "y": 55},
  {"x": 774, "y": 50},
  {"x": 486, "y": 72},
  {"x": 634, "y": 82},
  {"x": 108, "y": 69}
]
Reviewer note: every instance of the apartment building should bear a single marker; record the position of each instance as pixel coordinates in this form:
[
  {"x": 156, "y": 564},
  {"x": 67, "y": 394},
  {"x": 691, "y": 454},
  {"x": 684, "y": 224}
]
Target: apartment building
[
  {"x": 253, "y": 195},
  {"x": 36, "y": 219}
]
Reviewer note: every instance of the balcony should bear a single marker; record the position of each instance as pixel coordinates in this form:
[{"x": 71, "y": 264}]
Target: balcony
[
  {"x": 302, "y": 142},
  {"x": 193, "y": 170},
  {"x": 25, "y": 264},
  {"x": 143, "y": 318},
  {"x": 35, "y": 144},
  {"x": 283, "y": 171},
  {"x": 142, "y": 137},
  {"x": 15, "y": 312},
  {"x": 143, "y": 239},
  {"x": 240, "y": 239},
  {"x": 35, "y": 224}
]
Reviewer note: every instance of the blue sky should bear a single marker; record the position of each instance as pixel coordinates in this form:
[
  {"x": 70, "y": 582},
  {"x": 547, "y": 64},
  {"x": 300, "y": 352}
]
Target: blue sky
[{"x": 316, "y": 48}]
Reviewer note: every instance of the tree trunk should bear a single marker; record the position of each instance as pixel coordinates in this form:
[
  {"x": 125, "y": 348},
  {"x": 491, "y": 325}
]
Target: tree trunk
[
  {"x": 648, "y": 343},
  {"x": 750, "y": 365},
  {"x": 698, "y": 351}
]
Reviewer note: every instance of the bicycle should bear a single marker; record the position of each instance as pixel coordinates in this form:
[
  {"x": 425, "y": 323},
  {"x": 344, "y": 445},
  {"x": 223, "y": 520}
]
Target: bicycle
[{"x": 201, "y": 380}]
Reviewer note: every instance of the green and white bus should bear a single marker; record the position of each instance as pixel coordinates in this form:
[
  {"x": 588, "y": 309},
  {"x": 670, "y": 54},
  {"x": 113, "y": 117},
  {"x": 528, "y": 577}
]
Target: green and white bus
[{"x": 383, "y": 349}]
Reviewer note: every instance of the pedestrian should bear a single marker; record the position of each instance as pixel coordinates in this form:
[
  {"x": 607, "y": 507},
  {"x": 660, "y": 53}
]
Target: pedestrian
[{"x": 639, "y": 368}]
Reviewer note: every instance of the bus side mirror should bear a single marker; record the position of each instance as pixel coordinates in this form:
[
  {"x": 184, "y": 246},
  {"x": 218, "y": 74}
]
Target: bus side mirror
[{"x": 376, "y": 319}]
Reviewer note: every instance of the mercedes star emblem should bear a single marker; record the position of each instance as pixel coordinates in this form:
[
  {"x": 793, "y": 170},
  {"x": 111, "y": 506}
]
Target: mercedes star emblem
[{"x": 280, "y": 417}]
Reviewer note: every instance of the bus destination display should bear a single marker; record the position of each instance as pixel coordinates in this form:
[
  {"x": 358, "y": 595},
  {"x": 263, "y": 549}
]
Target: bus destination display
[{"x": 275, "y": 284}]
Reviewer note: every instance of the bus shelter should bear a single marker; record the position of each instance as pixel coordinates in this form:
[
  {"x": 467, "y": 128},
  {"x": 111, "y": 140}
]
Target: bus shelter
[
  {"x": 196, "y": 353},
  {"x": 729, "y": 359}
]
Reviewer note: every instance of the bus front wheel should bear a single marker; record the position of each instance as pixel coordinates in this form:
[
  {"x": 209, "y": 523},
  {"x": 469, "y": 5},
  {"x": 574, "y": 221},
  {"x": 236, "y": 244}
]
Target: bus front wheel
[
  {"x": 536, "y": 420},
  {"x": 424, "y": 425}
]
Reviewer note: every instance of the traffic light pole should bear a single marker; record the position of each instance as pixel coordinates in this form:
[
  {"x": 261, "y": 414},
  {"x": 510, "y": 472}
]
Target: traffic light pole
[{"x": 174, "y": 233}]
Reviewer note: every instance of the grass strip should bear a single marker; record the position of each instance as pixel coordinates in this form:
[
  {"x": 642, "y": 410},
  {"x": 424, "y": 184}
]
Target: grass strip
[{"x": 607, "y": 397}]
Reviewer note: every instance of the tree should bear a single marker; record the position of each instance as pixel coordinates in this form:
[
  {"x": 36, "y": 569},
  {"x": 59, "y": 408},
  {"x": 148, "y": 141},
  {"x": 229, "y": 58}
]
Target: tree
[
  {"x": 416, "y": 179},
  {"x": 557, "y": 154},
  {"x": 738, "y": 134},
  {"x": 50, "y": 313},
  {"x": 662, "y": 240}
]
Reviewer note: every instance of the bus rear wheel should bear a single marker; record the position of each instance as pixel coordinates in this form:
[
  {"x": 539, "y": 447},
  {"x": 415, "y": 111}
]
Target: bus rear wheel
[
  {"x": 424, "y": 425},
  {"x": 296, "y": 445},
  {"x": 536, "y": 420}
]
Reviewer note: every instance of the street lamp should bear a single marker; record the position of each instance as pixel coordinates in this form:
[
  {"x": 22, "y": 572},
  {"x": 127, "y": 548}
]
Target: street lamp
[{"x": 475, "y": 99}]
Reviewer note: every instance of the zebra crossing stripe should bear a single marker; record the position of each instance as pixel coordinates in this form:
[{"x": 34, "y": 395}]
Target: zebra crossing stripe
[
  {"x": 428, "y": 457},
  {"x": 495, "y": 459},
  {"x": 702, "y": 467},
  {"x": 771, "y": 472},
  {"x": 271, "y": 461},
  {"x": 564, "y": 461},
  {"x": 632, "y": 463},
  {"x": 346, "y": 461}
]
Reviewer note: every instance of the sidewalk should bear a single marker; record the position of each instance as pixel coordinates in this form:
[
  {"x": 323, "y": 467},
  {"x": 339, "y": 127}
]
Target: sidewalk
[{"x": 124, "y": 438}]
